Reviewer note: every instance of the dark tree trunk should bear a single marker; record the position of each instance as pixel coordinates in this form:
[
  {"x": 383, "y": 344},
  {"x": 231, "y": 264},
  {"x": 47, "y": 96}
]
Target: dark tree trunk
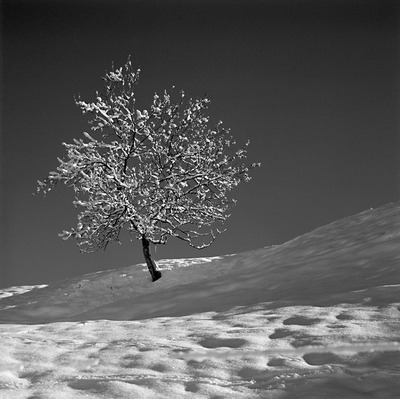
[{"x": 155, "y": 274}]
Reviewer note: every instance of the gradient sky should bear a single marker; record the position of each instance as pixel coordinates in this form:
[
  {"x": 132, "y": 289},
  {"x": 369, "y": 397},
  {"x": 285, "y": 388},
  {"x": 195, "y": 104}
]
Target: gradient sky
[{"x": 315, "y": 86}]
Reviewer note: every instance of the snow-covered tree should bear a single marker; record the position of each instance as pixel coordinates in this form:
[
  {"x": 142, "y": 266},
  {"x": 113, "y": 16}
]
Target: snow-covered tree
[{"x": 158, "y": 173}]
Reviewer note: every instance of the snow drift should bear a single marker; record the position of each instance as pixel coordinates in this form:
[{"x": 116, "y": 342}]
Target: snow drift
[
  {"x": 351, "y": 260},
  {"x": 315, "y": 317}
]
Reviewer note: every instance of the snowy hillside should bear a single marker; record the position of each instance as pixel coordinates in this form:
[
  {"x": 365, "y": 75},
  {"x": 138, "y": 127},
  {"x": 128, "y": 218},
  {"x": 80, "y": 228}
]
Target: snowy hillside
[{"x": 234, "y": 326}]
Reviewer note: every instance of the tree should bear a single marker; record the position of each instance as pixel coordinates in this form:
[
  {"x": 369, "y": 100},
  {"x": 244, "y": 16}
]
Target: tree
[{"x": 157, "y": 173}]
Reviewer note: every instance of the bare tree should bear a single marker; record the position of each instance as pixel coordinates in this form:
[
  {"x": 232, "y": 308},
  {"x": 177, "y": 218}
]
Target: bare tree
[{"x": 157, "y": 173}]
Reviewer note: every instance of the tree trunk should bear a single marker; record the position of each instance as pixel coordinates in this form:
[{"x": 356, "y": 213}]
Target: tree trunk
[{"x": 155, "y": 274}]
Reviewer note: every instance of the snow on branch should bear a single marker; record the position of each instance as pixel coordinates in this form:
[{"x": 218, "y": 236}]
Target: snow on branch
[{"x": 157, "y": 173}]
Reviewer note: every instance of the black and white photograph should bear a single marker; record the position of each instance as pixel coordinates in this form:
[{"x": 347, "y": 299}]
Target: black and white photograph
[{"x": 200, "y": 199}]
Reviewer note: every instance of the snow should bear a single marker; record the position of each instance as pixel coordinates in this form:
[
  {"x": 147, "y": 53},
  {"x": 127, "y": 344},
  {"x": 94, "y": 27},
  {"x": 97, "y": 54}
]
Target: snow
[{"x": 316, "y": 317}]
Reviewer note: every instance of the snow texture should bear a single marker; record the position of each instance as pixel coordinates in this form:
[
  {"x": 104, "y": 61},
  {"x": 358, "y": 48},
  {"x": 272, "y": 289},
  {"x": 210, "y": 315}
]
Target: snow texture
[{"x": 316, "y": 317}]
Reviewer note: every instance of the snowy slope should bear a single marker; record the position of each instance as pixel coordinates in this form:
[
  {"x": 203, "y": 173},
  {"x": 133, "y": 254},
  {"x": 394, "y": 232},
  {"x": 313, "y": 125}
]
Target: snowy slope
[
  {"x": 231, "y": 326},
  {"x": 349, "y": 259}
]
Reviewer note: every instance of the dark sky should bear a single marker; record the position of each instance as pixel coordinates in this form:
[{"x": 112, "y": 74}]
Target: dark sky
[{"x": 313, "y": 84}]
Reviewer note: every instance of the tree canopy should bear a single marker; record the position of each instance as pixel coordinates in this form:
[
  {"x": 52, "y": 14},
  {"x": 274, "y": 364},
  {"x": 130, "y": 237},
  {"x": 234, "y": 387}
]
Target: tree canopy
[{"x": 159, "y": 172}]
